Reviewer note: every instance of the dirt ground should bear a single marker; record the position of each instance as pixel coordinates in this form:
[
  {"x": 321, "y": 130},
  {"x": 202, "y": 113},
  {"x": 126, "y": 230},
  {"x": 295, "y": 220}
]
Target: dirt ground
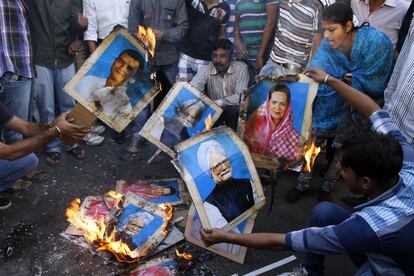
[{"x": 30, "y": 240}]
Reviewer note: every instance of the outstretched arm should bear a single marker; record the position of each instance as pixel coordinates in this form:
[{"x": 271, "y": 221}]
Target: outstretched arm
[{"x": 360, "y": 101}]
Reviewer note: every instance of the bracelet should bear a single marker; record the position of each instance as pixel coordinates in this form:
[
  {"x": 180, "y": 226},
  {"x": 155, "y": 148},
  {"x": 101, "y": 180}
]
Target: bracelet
[
  {"x": 60, "y": 132},
  {"x": 326, "y": 78}
]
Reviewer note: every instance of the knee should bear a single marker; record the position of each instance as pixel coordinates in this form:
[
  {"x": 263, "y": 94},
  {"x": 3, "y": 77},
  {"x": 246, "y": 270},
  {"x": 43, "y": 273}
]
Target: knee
[
  {"x": 323, "y": 214},
  {"x": 30, "y": 163}
]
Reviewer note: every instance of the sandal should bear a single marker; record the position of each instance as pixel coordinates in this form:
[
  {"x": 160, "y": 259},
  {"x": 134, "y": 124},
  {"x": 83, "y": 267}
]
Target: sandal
[
  {"x": 78, "y": 153},
  {"x": 53, "y": 158},
  {"x": 21, "y": 184},
  {"x": 37, "y": 177}
]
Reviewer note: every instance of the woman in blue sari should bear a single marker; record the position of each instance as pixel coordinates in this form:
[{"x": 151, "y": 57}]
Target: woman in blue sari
[{"x": 362, "y": 56}]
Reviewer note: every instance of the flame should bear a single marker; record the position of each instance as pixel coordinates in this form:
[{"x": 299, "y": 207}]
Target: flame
[
  {"x": 147, "y": 37},
  {"x": 311, "y": 152},
  {"x": 186, "y": 256},
  {"x": 207, "y": 122},
  {"x": 115, "y": 195},
  {"x": 168, "y": 210}
]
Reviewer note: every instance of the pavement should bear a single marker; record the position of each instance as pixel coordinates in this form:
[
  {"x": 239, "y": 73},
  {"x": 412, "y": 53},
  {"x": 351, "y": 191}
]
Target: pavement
[{"x": 30, "y": 241}]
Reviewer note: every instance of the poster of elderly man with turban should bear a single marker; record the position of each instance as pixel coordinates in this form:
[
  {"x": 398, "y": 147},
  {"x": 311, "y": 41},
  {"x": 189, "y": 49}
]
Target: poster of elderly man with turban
[
  {"x": 183, "y": 113},
  {"x": 221, "y": 178},
  {"x": 275, "y": 120},
  {"x": 115, "y": 83}
]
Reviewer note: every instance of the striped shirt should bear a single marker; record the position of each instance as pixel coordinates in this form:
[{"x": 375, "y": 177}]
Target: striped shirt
[
  {"x": 399, "y": 96},
  {"x": 232, "y": 17},
  {"x": 298, "y": 21},
  {"x": 227, "y": 89},
  {"x": 16, "y": 54},
  {"x": 252, "y": 22}
]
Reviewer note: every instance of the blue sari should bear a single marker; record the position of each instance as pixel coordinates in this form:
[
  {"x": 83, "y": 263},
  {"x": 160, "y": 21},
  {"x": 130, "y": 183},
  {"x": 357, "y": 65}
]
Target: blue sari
[{"x": 370, "y": 62}]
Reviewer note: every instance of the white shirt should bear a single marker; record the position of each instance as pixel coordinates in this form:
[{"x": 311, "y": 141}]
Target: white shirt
[
  {"x": 387, "y": 19},
  {"x": 103, "y": 15}
]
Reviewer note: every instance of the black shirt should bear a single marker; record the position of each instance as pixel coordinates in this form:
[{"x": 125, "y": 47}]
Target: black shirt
[{"x": 204, "y": 28}]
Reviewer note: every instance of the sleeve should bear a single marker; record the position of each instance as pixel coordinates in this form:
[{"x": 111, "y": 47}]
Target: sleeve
[
  {"x": 226, "y": 17},
  {"x": 200, "y": 79},
  {"x": 134, "y": 17},
  {"x": 241, "y": 85},
  {"x": 5, "y": 115},
  {"x": 272, "y": 2},
  {"x": 176, "y": 33},
  {"x": 89, "y": 11},
  {"x": 214, "y": 216},
  {"x": 351, "y": 236}
]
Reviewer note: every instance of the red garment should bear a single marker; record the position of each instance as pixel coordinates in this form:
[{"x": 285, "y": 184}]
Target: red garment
[
  {"x": 140, "y": 188},
  {"x": 258, "y": 134},
  {"x": 97, "y": 209},
  {"x": 154, "y": 271}
]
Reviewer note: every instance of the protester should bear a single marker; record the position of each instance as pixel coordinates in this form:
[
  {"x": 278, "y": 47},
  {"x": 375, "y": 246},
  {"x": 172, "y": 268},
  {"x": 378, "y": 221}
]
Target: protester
[
  {"x": 364, "y": 57},
  {"x": 384, "y": 15},
  {"x": 18, "y": 159},
  {"x": 224, "y": 80},
  {"x": 52, "y": 27},
  {"x": 297, "y": 36},
  {"x": 377, "y": 236},
  {"x": 230, "y": 22},
  {"x": 207, "y": 20},
  {"x": 254, "y": 28},
  {"x": 169, "y": 23}
]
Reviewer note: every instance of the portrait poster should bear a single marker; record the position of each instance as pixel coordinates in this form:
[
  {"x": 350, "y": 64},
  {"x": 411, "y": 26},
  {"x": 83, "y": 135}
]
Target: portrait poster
[
  {"x": 183, "y": 113},
  {"x": 275, "y": 120},
  {"x": 233, "y": 252},
  {"x": 221, "y": 178},
  {"x": 157, "y": 267},
  {"x": 154, "y": 190},
  {"x": 115, "y": 82}
]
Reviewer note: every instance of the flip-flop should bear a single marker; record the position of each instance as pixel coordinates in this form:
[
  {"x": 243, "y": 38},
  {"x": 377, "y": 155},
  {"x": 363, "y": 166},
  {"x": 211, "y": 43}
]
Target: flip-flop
[
  {"x": 21, "y": 184},
  {"x": 53, "y": 158},
  {"x": 38, "y": 177},
  {"x": 78, "y": 153}
]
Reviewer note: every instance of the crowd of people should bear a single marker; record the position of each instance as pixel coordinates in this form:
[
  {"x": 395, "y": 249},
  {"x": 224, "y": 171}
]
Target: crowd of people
[{"x": 360, "y": 51}]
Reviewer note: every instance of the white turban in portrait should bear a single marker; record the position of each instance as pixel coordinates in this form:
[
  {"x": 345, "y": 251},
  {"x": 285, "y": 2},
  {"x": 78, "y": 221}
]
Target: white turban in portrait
[{"x": 204, "y": 152}]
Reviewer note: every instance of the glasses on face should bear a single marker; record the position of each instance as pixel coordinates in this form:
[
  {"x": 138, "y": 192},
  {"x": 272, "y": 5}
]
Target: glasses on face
[{"x": 225, "y": 163}]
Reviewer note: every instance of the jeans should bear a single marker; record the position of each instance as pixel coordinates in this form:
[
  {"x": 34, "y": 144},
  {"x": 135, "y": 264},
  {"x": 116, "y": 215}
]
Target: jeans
[
  {"x": 273, "y": 69},
  {"x": 15, "y": 94},
  {"x": 10, "y": 171},
  {"x": 50, "y": 98},
  {"x": 325, "y": 214},
  {"x": 170, "y": 71}
]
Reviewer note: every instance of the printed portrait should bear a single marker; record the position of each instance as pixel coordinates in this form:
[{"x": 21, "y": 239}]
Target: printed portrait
[
  {"x": 154, "y": 190},
  {"x": 221, "y": 178},
  {"x": 275, "y": 118},
  {"x": 157, "y": 267},
  {"x": 115, "y": 83},
  {"x": 234, "y": 252},
  {"x": 183, "y": 113}
]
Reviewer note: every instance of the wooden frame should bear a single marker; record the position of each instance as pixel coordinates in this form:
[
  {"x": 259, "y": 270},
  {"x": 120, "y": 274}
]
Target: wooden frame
[
  {"x": 264, "y": 161},
  {"x": 158, "y": 182},
  {"x": 237, "y": 256},
  {"x": 98, "y": 66},
  {"x": 187, "y": 165},
  {"x": 178, "y": 94}
]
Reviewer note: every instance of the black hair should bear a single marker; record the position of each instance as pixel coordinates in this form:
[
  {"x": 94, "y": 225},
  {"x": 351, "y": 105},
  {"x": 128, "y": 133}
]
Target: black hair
[
  {"x": 373, "y": 155},
  {"x": 280, "y": 87},
  {"x": 135, "y": 55},
  {"x": 339, "y": 13},
  {"x": 224, "y": 44}
]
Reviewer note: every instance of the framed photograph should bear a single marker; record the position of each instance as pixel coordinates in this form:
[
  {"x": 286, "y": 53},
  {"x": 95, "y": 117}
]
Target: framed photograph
[
  {"x": 115, "y": 83},
  {"x": 154, "y": 190},
  {"x": 157, "y": 267},
  {"x": 233, "y": 252},
  {"x": 221, "y": 178},
  {"x": 183, "y": 113},
  {"x": 275, "y": 119}
]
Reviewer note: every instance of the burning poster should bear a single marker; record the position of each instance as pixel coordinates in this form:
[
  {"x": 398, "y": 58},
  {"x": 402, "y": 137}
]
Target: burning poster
[
  {"x": 115, "y": 83},
  {"x": 275, "y": 120},
  {"x": 231, "y": 251},
  {"x": 221, "y": 178},
  {"x": 183, "y": 113},
  {"x": 157, "y": 267},
  {"x": 154, "y": 190}
]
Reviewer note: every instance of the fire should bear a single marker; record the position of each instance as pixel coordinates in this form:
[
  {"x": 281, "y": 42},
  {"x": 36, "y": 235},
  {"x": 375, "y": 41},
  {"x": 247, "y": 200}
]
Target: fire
[
  {"x": 147, "y": 37},
  {"x": 207, "y": 122},
  {"x": 311, "y": 152},
  {"x": 168, "y": 209},
  {"x": 186, "y": 256},
  {"x": 115, "y": 195}
]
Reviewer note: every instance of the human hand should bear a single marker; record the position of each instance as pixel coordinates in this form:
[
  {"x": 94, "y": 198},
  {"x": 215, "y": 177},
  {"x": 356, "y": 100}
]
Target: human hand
[
  {"x": 158, "y": 34},
  {"x": 67, "y": 129},
  {"x": 73, "y": 48},
  {"x": 317, "y": 75},
  {"x": 240, "y": 49},
  {"x": 212, "y": 236},
  {"x": 82, "y": 21}
]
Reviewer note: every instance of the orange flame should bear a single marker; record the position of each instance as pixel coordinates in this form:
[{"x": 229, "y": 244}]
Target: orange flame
[
  {"x": 168, "y": 210},
  {"x": 311, "y": 152},
  {"x": 147, "y": 37},
  {"x": 115, "y": 195},
  {"x": 186, "y": 256},
  {"x": 208, "y": 121}
]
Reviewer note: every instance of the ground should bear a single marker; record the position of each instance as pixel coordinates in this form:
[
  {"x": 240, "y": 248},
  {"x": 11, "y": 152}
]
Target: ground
[{"x": 30, "y": 229}]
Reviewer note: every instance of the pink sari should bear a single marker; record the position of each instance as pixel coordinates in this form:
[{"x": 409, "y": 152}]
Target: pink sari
[
  {"x": 140, "y": 188},
  {"x": 258, "y": 134}
]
